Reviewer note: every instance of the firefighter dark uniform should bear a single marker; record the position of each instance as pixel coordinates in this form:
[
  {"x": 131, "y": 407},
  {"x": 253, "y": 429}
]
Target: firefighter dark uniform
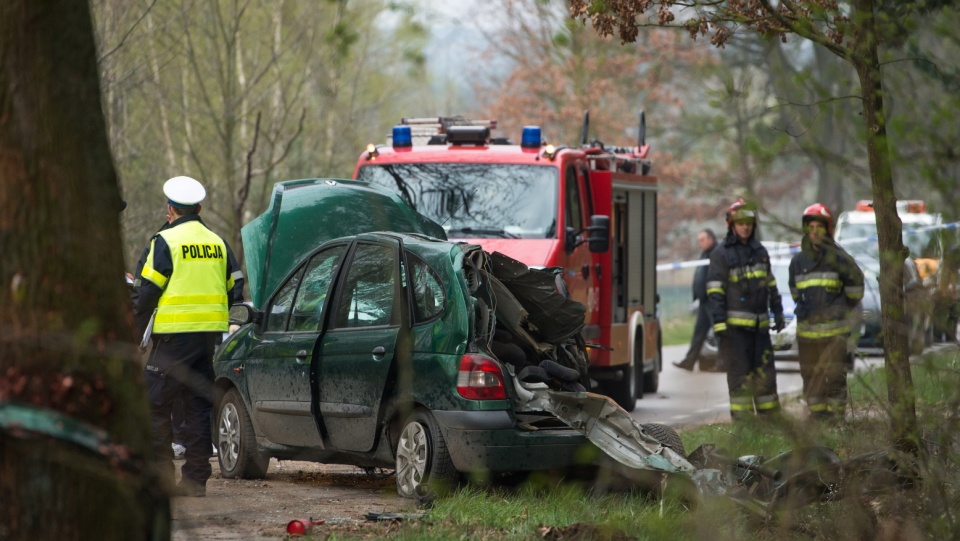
[
  {"x": 826, "y": 284},
  {"x": 742, "y": 292},
  {"x": 189, "y": 279}
]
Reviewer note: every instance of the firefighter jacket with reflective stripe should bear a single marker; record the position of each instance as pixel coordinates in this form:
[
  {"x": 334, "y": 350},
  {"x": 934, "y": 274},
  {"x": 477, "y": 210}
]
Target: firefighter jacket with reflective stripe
[
  {"x": 825, "y": 284},
  {"x": 190, "y": 277},
  {"x": 741, "y": 286}
]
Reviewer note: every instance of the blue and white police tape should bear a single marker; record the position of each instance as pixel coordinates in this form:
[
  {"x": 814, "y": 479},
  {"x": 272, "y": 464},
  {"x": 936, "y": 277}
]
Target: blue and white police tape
[{"x": 780, "y": 252}]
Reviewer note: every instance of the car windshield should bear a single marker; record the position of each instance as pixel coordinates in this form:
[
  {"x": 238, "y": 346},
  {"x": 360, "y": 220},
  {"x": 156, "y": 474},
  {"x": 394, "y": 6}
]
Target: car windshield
[
  {"x": 476, "y": 200},
  {"x": 862, "y": 239}
]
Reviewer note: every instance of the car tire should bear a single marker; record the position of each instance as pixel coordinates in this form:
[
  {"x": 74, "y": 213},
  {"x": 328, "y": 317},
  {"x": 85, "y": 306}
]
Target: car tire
[
  {"x": 236, "y": 443},
  {"x": 667, "y": 437},
  {"x": 651, "y": 379},
  {"x": 422, "y": 458}
]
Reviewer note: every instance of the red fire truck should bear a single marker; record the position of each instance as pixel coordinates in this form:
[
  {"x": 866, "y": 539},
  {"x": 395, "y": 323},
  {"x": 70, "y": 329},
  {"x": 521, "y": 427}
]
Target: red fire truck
[{"x": 591, "y": 210}]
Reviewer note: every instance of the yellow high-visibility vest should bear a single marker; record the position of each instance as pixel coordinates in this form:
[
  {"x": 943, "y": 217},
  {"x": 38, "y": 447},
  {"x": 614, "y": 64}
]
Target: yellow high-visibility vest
[{"x": 194, "y": 298}]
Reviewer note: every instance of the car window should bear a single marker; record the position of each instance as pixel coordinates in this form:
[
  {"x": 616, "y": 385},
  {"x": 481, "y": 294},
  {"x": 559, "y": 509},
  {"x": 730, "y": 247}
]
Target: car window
[
  {"x": 368, "y": 294},
  {"x": 428, "y": 297},
  {"x": 308, "y": 307},
  {"x": 279, "y": 310}
]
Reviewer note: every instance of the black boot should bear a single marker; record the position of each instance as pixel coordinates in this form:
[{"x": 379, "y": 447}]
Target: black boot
[{"x": 686, "y": 364}]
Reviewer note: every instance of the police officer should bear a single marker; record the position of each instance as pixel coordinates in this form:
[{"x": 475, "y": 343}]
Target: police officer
[
  {"x": 826, "y": 284},
  {"x": 189, "y": 279},
  {"x": 742, "y": 291}
]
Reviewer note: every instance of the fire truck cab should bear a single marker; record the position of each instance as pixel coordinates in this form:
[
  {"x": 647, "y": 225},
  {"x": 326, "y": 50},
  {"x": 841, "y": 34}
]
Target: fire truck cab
[{"x": 591, "y": 210}]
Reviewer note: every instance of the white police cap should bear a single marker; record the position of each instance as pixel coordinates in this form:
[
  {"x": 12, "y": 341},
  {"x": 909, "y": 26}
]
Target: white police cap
[{"x": 184, "y": 191}]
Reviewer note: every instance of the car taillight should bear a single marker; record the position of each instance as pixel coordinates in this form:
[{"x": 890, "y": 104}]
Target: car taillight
[{"x": 480, "y": 378}]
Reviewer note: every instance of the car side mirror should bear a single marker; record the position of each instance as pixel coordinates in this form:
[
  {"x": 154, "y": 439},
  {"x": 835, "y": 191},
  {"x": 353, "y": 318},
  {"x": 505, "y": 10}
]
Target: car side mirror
[
  {"x": 241, "y": 314},
  {"x": 598, "y": 234}
]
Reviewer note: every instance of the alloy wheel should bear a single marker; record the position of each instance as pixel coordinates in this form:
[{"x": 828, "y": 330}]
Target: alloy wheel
[
  {"x": 228, "y": 440},
  {"x": 412, "y": 456}
]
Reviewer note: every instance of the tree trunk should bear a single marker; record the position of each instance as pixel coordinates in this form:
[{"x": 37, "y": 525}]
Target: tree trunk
[
  {"x": 74, "y": 422},
  {"x": 892, "y": 251}
]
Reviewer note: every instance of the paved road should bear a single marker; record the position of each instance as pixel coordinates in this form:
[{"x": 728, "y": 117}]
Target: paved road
[{"x": 695, "y": 398}]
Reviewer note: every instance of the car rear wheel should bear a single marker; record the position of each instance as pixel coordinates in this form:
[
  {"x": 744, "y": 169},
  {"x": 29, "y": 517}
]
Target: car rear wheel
[
  {"x": 236, "y": 444},
  {"x": 422, "y": 457},
  {"x": 667, "y": 437}
]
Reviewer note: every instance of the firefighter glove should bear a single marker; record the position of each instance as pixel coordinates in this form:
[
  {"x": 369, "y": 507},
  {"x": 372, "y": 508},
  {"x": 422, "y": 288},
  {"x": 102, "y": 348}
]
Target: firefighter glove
[
  {"x": 778, "y": 323},
  {"x": 719, "y": 329}
]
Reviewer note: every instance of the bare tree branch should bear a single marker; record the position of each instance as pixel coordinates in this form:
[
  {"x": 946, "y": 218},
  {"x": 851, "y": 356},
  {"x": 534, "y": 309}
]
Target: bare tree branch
[{"x": 127, "y": 33}]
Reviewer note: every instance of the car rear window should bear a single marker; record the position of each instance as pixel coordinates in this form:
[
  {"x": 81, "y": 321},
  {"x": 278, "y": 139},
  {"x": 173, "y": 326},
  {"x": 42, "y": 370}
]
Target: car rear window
[{"x": 428, "y": 298}]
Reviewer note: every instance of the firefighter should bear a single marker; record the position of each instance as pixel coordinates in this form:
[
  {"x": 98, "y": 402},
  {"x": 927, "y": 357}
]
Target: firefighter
[
  {"x": 189, "y": 279},
  {"x": 826, "y": 284},
  {"x": 742, "y": 292}
]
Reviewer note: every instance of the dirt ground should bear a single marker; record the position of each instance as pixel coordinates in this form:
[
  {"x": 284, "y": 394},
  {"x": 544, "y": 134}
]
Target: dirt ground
[
  {"x": 255, "y": 510},
  {"x": 341, "y": 496}
]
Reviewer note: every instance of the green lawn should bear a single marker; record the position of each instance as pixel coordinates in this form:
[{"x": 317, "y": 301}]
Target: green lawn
[{"x": 677, "y": 331}]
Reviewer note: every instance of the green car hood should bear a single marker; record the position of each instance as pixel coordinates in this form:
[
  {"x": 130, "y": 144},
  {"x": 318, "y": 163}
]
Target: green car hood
[{"x": 303, "y": 214}]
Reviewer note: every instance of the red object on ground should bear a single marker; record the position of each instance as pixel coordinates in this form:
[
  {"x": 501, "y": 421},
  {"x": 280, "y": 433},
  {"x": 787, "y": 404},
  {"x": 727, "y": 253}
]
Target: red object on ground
[{"x": 301, "y": 526}]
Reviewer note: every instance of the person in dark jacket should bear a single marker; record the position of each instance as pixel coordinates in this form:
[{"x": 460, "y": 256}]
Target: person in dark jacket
[
  {"x": 742, "y": 292},
  {"x": 826, "y": 284},
  {"x": 707, "y": 241}
]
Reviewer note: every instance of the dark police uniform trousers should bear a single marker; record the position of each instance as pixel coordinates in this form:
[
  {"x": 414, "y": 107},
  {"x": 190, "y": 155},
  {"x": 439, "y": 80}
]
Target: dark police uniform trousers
[{"x": 181, "y": 366}]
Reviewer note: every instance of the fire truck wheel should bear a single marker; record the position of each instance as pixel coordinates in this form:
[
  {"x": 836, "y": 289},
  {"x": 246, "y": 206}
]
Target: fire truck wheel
[
  {"x": 651, "y": 379},
  {"x": 627, "y": 389}
]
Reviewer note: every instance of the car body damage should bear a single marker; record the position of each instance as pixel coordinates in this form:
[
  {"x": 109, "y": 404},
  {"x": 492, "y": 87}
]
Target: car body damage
[
  {"x": 765, "y": 486},
  {"x": 606, "y": 425},
  {"x": 373, "y": 341}
]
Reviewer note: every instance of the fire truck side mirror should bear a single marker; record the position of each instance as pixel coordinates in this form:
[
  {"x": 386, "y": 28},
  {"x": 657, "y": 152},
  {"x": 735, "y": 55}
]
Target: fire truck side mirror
[{"x": 598, "y": 234}]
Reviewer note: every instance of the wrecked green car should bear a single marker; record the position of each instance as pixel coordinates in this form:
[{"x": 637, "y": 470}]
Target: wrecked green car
[{"x": 373, "y": 341}]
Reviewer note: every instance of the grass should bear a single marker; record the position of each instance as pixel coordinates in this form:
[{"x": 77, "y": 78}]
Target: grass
[
  {"x": 550, "y": 508},
  {"x": 677, "y": 331},
  {"x": 551, "y": 512}
]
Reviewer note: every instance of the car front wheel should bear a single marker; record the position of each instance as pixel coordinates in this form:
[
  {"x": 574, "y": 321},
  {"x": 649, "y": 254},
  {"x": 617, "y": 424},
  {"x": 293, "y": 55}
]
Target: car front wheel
[
  {"x": 422, "y": 457},
  {"x": 236, "y": 444}
]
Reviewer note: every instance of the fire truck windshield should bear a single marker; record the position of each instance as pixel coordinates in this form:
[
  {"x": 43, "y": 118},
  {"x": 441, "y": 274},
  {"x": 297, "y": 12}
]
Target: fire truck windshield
[{"x": 476, "y": 200}]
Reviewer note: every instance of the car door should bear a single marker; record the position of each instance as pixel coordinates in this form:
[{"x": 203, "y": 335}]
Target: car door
[
  {"x": 357, "y": 351},
  {"x": 278, "y": 373}
]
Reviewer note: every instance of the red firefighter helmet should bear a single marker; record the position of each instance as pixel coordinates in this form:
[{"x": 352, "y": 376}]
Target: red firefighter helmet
[
  {"x": 741, "y": 210},
  {"x": 821, "y": 213}
]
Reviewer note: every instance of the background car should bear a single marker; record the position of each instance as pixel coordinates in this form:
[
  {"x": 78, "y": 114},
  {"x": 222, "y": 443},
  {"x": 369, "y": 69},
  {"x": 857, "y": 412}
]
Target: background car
[
  {"x": 918, "y": 303},
  {"x": 384, "y": 349}
]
